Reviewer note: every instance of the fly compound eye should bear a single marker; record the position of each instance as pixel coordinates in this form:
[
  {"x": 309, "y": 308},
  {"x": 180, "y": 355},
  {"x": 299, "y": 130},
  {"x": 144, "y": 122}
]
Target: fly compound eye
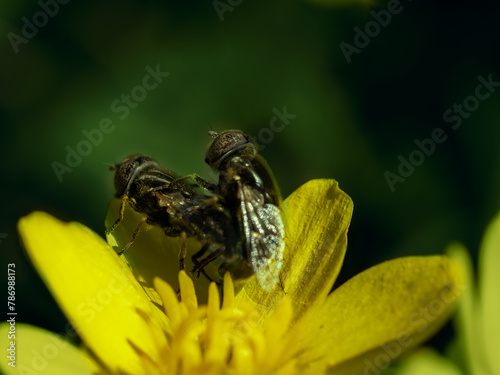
[
  {"x": 123, "y": 174},
  {"x": 125, "y": 170},
  {"x": 228, "y": 143}
]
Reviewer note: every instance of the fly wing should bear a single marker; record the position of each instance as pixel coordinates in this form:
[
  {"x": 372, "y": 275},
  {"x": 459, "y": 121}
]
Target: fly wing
[{"x": 264, "y": 236}]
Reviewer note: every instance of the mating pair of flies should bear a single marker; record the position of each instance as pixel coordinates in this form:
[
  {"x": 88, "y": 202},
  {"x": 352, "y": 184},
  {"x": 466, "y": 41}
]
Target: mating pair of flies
[{"x": 237, "y": 220}]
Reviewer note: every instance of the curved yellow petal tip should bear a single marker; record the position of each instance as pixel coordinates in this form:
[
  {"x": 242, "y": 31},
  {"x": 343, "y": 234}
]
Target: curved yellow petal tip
[
  {"x": 316, "y": 217},
  {"x": 382, "y": 312},
  {"x": 94, "y": 288}
]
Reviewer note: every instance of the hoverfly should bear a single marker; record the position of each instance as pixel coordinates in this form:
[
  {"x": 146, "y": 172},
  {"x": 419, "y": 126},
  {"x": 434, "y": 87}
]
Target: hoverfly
[
  {"x": 179, "y": 208},
  {"x": 251, "y": 196}
]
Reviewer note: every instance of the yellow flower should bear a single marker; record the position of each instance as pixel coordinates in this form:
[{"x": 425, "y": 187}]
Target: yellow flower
[
  {"x": 477, "y": 322},
  {"x": 131, "y": 322}
]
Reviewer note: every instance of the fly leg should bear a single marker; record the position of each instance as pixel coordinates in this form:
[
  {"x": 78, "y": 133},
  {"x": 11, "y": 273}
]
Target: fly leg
[
  {"x": 134, "y": 235},
  {"x": 199, "y": 265},
  {"x": 204, "y": 183},
  {"x": 183, "y": 250},
  {"x": 120, "y": 217},
  {"x": 200, "y": 181}
]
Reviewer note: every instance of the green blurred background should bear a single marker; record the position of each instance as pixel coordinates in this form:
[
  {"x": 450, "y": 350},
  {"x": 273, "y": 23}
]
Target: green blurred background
[{"x": 236, "y": 70}]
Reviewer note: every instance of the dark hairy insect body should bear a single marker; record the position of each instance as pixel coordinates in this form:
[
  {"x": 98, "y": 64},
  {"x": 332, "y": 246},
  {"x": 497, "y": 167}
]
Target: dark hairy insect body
[
  {"x": 249, "y": 193},
  {"x": 237, "y": 220},
  {"x": 167, "y": 200}
]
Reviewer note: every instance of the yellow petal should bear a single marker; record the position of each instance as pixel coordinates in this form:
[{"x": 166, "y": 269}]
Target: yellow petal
[
  {"x": 316, "y": 218},
  {"x": 489, "y": 283},
  {"x": 33, "y": 350},
  {"x": 93, "y": 287},
  {"x": 274, "y": 333},
  {"x": 377, "y": 314}
]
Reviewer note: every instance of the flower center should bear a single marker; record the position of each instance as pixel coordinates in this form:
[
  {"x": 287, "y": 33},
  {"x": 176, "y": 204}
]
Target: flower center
[{"x": 215, "y": 339}]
